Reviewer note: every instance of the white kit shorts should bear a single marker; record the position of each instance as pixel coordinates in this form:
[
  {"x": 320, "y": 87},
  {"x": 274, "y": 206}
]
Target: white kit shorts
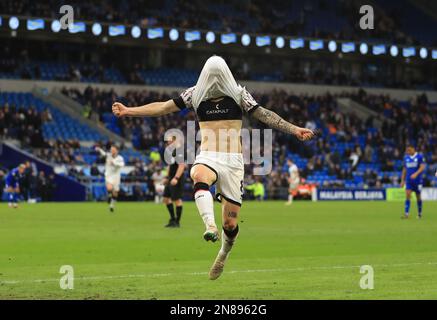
[
  {"x": 229, "y": 169},
  {"x": 114, "y": 181}
]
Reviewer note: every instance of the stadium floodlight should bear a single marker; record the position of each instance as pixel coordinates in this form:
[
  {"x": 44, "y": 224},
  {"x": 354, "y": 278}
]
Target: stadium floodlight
[
  {"x": 423, "y": 53},
  {"x": 56, "y": 26},
  {"x": 227, "y": 38},
  {"x": 193, "y": 35},
  {"x": 35, "y": 24},
  {"x": 434, "y": 54},
  {"x": 96, "y": 29},
  {"x": 135, "y": 32},
  {"x": 280, "y": 42},
  {"x": 173, "y": 34},
  {"x": 364, "y": 48},
  {"x": 409, "y": 52},
  {"x": 394, "y": 51},
  {"x": 210, "y": 37},
  {"x": 14, "y": 23},
  {"x": 378, "y": 49},
  {"x": 245, "y": 40},
  {"x": 332, "y": 46},
  {"x": 297, "y": 43},
  {"x": 316, "y": 45},
  {"x": 348, "y": 47}
]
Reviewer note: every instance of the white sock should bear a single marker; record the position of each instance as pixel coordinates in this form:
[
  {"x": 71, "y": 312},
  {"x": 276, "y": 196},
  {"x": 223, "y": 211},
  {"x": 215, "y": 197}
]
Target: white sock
[
  {"x": 290, "y": 198},
  {"x": 227, "y": 244},
  {"x": 112, "y": 203},
  {"x": 205, "y": 205}
]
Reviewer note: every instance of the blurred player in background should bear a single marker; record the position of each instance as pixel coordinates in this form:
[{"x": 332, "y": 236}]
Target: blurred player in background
[
  {"x": 12, "y": 185},
  {"x": 412, "y": 178},
  {"x": 219, "y": 103},
  {"x": 114, "y": 163},
  {"x": 159, "y": 178},
  {"x": 293, "y": 180},
  {"x": 174, "y": 186}
]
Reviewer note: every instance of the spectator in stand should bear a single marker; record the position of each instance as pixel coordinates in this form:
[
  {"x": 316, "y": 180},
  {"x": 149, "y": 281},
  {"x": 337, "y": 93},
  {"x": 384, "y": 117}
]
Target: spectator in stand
[{"x": 94, "y": 171}]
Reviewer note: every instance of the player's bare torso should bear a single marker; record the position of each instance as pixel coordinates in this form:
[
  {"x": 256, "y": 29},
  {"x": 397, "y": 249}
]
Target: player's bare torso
[{"x": 221, "y": 136}]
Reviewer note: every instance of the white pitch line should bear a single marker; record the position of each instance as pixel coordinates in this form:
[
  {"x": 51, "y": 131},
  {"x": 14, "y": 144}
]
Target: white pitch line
[{"x": 153, "y": 275}]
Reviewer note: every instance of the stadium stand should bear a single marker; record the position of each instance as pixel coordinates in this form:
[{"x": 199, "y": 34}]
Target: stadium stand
[
  {"x": 55, "y": 137},
  {"x": 337, "y": 18},
  {"x": 352, "y": 152},
  {"x": 42, "y": 70},
  {"x": 106, "y": 71}
]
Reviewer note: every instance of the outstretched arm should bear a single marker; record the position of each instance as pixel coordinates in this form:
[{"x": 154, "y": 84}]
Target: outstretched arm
[
  {"x": 154, "y": 109},
  {"x": 101, "y": 151},
  {"x": 274, "y": 121}
]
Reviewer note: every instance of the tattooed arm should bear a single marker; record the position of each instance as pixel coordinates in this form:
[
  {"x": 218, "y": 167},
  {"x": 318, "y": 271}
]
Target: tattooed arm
[{"x": 274, "y": 121}]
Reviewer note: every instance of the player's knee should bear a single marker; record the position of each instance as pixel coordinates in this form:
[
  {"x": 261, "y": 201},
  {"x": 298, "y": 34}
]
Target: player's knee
[
  {"x": 198, "y": 176},
  {"x": 178, "y": 202},
  {"x": 166, "y": 200},
  {"x": 230, "y": 225},
  {"x": 201, "y": 176}
]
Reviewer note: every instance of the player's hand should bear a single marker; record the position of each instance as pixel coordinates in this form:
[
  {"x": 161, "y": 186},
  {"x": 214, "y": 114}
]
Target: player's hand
[
  {"x": 174, "y": 181},
  {"x": 304, "y": 134},
  {"x": 402, "y": 184},
  {"x": 119, "y": 109},
  {"x": 413, "y": 176}
]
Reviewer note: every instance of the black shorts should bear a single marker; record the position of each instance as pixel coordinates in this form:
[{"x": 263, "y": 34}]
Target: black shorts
[{"x": 174, "y": 192}]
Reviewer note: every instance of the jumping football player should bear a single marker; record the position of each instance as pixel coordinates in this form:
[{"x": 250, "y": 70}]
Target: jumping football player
[
  {"x": 412, "y": 178},
  {"x": 219, "y": 103},
  {"x": 114, "y": 163}
]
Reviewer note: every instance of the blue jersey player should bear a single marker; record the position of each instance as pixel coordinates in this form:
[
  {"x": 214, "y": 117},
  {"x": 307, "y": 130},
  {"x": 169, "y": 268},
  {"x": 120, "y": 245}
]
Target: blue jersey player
[
  {"x": 12, "y": 184},
  {"x": 412, "y": 178}
]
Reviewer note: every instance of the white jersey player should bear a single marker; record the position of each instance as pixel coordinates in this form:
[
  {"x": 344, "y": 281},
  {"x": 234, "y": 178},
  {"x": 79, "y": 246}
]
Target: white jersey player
[
  {"x": 159, "y": 178},
  {"x": 219, "y": 103},
  {"x": 293, "y": 180},
  {"x": 114, "y": 163}
]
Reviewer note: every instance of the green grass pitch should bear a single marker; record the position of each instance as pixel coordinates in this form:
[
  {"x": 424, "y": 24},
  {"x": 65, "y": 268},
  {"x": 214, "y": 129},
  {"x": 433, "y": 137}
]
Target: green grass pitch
[{"x": 305, "y": 251}]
